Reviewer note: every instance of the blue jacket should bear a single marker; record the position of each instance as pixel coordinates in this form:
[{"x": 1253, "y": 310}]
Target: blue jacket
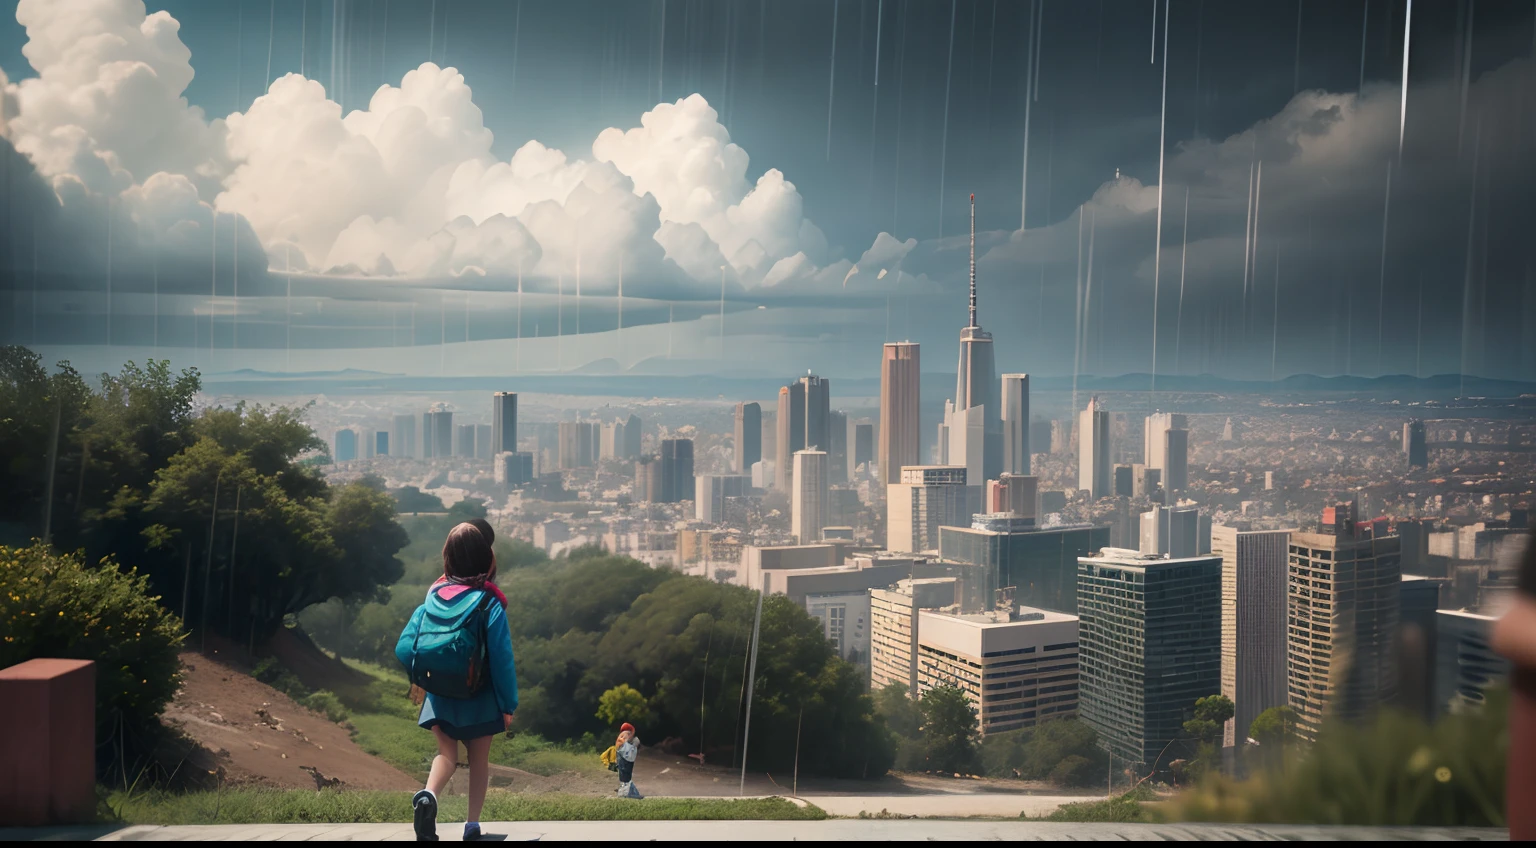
[{"x": 493, "y": 700}]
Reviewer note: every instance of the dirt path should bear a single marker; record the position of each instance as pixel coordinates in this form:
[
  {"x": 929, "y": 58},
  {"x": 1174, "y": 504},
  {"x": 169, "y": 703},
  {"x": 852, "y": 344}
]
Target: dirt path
[{"x": 261, "y": 737}]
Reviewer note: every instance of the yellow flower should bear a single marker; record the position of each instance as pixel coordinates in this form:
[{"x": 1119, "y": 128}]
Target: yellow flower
[
  {"x": 1420, "y": 761},
  {"x": 1443, "y": 774}
]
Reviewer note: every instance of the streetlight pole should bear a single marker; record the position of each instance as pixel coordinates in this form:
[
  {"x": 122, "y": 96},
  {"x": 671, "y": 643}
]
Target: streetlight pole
[{"x": 751, "y": 682}]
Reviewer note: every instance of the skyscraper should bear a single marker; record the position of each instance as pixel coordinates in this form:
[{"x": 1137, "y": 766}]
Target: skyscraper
[
  {"x": 503, "y": 422},
  {"x": 818, "y": 407},
  {"x": 710, "y": 492},
  {"x": 631, "y": 437},
  {"x": 1094, "y": 468},
  {"x": 749, "y": 436},
  {"x": 1016, "y": 447},
  {"x": 1150, "y": 646},
  {"x": 346, "y": 445},
  {"x": 976, "y": 387},
  {"x": 483, "y": 441},
  {"x": 1039, "y": 563},
  {"x": 437, "y": 432},
  {"x": 403, "y": 442},
  {"x": 1342, "y": 604},
  {"x": 790, "y": 424},
  {"x": 926, "y": 498},
  {"x": 1153, "y": 442},
  {"x": 676, "y": 470},
  {"x": 1175, "y": 474},
  {"x": 464, "y": 441},
  {"x": 808, "y": 501},
  {"x": 837, "y": 447},
  {"x": 1173, "y": 531},
  {"x": 1414, "y": 444},
  {"x": 863, "y": 446},
  {"x": 899, "y": 408},
  {"x": 647, "y": 479},
  {"x": 571, "y": 444},
  {"x": 1253, "y": 568}
]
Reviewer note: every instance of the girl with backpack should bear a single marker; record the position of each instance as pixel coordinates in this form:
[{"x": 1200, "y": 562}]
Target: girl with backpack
[{"x": 457, "y": 647}]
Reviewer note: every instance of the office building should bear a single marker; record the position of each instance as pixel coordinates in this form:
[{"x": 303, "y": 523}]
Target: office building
[
  {"x": 1038, "y": 564},
  {"x": 1150, "y": 642},
  {"x": 1414, "y": 444},
  {"x": 1145, "y": 481},
  {"x": 1465, "y": 665},
  {"x": 577, "y": 444},
  {"x": 808, "y": 501},
  {"x": 976, "y": 387},
  {"x": 1062, "y": 440},
  {"x": 631, "y": 440},
  {"x": 789, "y": 425},
  {"x": 1174, "y": 531},
  {"x": 927, "y": 498},
  {"x": 346, "y": 445},
  {"x": 1016, "y": 424},
  {"x": 1253, "y": 580},
  {"x": 863, "y": 446},
  {"x": 464, "y": 441},
  {"x": 763, "y": 476},
  {"x": 749, "y": 436},
  {"x": 1018, "y": 667},
  {"x": 837, "y": 447},
  {"x": 844, "y": 618},
  {"x": 893, "y": 628},
  {"x": 503, "y": 423},
  {"x": 1418, "y": 601},
  {"x": 710, "y": 492},
  {"x": 818, "y": 407},
  {"x": 676, "y": 470},
  {"x": 1015, "y": 494},
  {"x": 1342, "y": 604},
  {"x": 482, "y": 441},
  {"x": 1154, "y": 441},
  {"x": 609, "y": 440},
  {"x": 1175, "y": 471},
  {"x": 899, "y": 406},
  {"x": 648, "y": 479},
  {"x": 512, "y": 468},
  {"x": 1125, "y": 484},
  {"x": 381, "y": 443},
  {"x": 437, "y": 432},
  {"x": 404, "y": 441},
  {"x": 1094, "y": 466}
]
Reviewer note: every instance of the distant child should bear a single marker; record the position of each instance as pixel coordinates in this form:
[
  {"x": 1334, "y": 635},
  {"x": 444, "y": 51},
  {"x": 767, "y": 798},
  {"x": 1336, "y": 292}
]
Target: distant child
[
  {"x": 469, "y": 567},
  {"x": 626, "y": 749}
]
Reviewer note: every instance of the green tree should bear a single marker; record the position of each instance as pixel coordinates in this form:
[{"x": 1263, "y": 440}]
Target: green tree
[
  {"x": 54, "y": 606},
  {"x": 902, "y": 714},
  {"x": 620, "y": 704},
  {"x": 413, "y": 500},
  {"x": 949, "y": 729},
  {"x": 1211, "y": 713},
  {"x": 1273, "y": 727}
]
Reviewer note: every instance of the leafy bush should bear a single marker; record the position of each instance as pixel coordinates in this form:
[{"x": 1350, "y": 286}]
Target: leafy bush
[
  {"x": 1034, "y": 753},
  {"x": 1074, "y": 771},
  {"x": 327, "y": 704},
  {"x": 53, "y": 606},
  {"x": 949, "y": 730},
  {"x": 622, "y": 704},
  {"x": 1122, "y": 808},
  {"x": 1394, "y": 771}
]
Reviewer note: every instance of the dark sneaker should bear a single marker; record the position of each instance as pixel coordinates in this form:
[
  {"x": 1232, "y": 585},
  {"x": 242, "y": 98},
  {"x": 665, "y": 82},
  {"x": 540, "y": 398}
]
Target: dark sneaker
[{"x": 425, "y": 816}]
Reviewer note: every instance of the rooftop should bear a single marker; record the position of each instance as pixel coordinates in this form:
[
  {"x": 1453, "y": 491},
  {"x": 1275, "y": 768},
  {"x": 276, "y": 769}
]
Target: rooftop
[{"x": 998, "y": 618}]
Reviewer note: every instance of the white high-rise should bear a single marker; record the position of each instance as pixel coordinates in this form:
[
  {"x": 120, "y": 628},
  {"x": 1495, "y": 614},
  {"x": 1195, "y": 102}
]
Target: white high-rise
[
  {"x": 808, "y": 501},
  {"x": 1016, "y": 447},
  {"x": 927, "y": 498},
  {"x": 1165, "y": 446},
  {"x": 974, "y": 439},
  {"x": 1095, "y": 472}
]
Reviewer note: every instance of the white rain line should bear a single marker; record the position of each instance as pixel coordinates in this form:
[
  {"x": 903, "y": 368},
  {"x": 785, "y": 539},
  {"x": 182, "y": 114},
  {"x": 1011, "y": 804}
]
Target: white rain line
[
  {"x": 1178, "y": 331},
  {"x": 1162, "y": 135},
  {"x": 271, "y": 36},
  {"x": 1258, "y": 197},
  {"x": 1402, "y": 111},
  {"x": 1365, "y": 26},
  {"x": 1381, "y": 285},
  {"x": 1248, "y": 227},
  {"x": 944, "y": 145},
  {"x": 832, "y": 79},
  {"x": 1274, "y": 343},
  {"x": 1296, "y": 74},
  {"x": 1466, "y": 75},
  {"x": 1029, "y": 82}
]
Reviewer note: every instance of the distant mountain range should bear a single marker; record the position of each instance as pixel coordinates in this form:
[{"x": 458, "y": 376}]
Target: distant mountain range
[{"x": 604, "y": 377}]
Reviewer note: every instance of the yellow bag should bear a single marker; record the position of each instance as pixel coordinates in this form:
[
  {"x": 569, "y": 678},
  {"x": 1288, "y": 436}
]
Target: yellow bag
[{"x": 610, "y": 758}]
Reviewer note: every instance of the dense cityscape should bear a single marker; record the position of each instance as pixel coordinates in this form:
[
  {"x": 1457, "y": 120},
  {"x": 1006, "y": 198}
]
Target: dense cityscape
[{"x": 1334, "y": 554}]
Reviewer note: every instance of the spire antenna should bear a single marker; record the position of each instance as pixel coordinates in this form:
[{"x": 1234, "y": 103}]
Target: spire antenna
[{"x": 973, "y": 261}]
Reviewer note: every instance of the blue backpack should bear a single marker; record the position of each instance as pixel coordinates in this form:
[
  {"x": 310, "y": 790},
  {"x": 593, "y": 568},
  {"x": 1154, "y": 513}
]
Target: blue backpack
[{"x": 447, "y": 654}]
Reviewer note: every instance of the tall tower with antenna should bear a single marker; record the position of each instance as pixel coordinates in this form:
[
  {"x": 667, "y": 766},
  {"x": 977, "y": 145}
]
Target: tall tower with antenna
[{"x": 973, "y": 422}]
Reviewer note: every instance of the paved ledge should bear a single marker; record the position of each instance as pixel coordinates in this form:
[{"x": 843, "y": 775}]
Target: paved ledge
[{"x": 840, "y": 829}]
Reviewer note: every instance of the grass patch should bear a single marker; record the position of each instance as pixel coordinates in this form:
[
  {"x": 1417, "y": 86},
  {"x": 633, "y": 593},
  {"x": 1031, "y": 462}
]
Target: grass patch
[
  {"x": 1124, "y": 808},
  {"x": 272, "y": 806},
  {"x": 399, "y": 742}
]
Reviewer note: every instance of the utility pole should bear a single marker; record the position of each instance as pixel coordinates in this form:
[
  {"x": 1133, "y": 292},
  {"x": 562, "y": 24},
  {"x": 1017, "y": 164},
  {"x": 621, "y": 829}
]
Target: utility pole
[
  {"x": 235, "y": 540},
  {"x": 751, "y": 682},
  {"x": 795, "y": 791}
]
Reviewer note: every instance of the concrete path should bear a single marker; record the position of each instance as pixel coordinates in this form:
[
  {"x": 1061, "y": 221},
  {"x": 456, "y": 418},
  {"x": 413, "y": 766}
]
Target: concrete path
[
  {"x": 990, "y": 805},
  {"x": 840, "y": 829}
]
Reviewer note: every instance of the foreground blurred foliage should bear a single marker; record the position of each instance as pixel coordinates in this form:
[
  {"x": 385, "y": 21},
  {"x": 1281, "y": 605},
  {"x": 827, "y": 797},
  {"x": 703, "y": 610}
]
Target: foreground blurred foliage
[{"x": 1395, "y": 770}]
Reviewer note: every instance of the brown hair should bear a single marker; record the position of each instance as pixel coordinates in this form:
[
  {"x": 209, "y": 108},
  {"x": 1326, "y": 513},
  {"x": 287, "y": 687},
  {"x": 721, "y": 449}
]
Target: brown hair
[{"x": 467, "y": 556}]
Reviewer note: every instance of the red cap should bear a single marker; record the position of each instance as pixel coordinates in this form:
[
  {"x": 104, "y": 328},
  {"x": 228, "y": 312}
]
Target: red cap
[
  {"x": 973, "y": 197},
  {"x": 626, "y": 726}
]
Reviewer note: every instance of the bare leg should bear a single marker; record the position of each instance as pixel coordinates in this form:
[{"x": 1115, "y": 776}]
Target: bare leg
[
  {"x": 479, "y": 773},
  {"x": 444, "y": 763}
]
